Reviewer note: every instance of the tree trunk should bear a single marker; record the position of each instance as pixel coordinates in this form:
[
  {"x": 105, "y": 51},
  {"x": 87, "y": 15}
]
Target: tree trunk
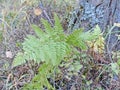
[{"x": 102, "y": 12}]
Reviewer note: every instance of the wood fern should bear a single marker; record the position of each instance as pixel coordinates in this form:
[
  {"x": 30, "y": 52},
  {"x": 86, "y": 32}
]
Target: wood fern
[{"x": 51, "y": 46}]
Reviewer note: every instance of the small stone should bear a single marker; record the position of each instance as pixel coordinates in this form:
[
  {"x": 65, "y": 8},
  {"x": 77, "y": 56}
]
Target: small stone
[{"x": 9, "y": 54}]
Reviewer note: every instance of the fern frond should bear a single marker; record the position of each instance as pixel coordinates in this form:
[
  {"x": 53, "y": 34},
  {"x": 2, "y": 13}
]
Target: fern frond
[
  {"x": 78, "y": 38},
  {"x": 48, "y": 28},
  {"x": 75, "y": 39},
  {"x": 39, "y": 32},
  {"x": 58, "y": 27},
  {"x": 19, "y": 59},
  {"x": 96, "y": 33},
  {"x": 40, "y": 79}
]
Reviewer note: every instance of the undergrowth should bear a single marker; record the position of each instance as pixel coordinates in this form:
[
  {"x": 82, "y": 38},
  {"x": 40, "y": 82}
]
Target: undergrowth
[{"x": 50, "y": 47}]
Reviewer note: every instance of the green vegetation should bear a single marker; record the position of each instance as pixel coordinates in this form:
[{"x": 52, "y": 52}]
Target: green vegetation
[
  {"x": 51, "y": 46},
  {"x": 38, "y": 54}
]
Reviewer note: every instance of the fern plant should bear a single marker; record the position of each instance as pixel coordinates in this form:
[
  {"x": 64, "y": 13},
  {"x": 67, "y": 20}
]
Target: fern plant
[
  {"x": 41, "y": 79},
  {"x": 51, "y": 46}
]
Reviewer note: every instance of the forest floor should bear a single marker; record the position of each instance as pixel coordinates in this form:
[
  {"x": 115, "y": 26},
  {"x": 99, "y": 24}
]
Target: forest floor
[{"x": 16, "y": 18}]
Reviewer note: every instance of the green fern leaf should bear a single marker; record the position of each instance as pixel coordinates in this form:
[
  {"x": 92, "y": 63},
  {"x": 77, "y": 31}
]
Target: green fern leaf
[
  {"x": 58, "y": 26},
  {"x": 48, "y": 28},
  {"x": 96, "y": 32},
  {"x": 40, "y": 79},
  {"x": 75, "y": 39},
  {"x": 19, "y": 60},
  {"x": 39, "y": 32}
]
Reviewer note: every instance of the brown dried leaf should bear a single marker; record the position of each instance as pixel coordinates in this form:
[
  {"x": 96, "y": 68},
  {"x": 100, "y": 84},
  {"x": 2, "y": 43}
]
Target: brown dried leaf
[{"x": 37, "y": 11}]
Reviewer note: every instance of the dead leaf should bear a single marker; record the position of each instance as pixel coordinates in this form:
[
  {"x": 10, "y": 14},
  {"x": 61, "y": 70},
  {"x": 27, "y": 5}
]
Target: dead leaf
[
  {"x": 37, "y": 11},
  {"x": 97, "y": 45}
]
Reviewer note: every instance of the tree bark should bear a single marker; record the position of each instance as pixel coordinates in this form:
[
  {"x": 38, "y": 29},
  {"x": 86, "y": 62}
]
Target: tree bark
[{"x": 102, "y": 12}]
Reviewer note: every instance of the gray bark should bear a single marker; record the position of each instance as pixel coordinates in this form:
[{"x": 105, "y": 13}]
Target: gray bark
[{"x": 102, "y": 12}]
